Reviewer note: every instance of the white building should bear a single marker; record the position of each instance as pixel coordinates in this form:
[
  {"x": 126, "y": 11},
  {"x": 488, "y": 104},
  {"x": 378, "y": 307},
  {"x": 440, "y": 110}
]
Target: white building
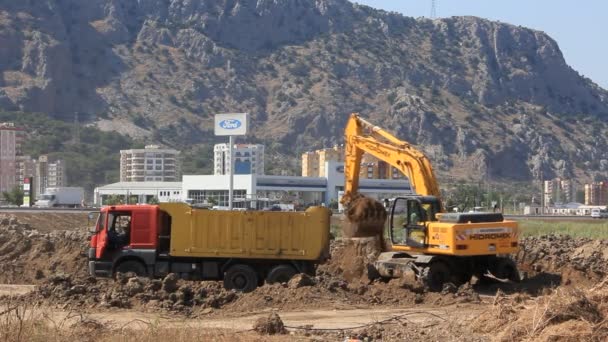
[
  {"x": 140, "y": 192},
  {"x": 568, "y": 209},
  {"x": 151, "y": 164},
  {"x": 248, "y": 159},
  {"x": 259, "y": 191},
  {"x": 255, "y": 191}
]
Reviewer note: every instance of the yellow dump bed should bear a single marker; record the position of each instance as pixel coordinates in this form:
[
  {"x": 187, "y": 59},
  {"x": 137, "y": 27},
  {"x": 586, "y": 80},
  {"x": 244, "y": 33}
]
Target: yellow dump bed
[{"x": 248, "y": 234}]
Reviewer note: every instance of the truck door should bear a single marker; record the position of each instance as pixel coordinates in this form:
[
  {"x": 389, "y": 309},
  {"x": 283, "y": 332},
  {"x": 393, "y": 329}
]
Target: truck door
[{"x": 102, "y": 236}]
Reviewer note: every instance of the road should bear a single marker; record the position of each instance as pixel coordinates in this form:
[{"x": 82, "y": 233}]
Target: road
[
  {"x": 46, "y": 210},
  {"x": 551, "y": 218}
]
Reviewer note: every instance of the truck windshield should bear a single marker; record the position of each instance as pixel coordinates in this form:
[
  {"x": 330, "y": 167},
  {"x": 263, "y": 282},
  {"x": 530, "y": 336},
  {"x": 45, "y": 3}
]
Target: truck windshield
[{"x": 47, "y": 197}]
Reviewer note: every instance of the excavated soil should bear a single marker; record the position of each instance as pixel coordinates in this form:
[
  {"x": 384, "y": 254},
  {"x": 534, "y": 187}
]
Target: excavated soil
[
  {"x": 564, "y": 293},
  {"x": 28, "y": 256}
]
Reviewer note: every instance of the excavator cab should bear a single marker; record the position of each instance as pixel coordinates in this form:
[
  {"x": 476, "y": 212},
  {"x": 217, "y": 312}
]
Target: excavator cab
[{"x": 409, "y": 217}]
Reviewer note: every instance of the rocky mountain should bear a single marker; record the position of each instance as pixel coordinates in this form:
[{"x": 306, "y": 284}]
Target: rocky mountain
[{"x": 482, "y": 98}]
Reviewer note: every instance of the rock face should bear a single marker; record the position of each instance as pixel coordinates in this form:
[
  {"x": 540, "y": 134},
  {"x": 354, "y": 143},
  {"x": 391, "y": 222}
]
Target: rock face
[{"x": 481, "y": 98}]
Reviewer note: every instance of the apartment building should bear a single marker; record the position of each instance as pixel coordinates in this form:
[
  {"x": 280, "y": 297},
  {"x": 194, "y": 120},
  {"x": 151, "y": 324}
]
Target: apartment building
[
  {"x": 150, "y": 164},
  {"x": 48, "y": 173},
  {"x": 559, "y": 191},
  {"x": 25, "y": 167},
  {"x": 313, "y": 164},
  {"x": 248, "y": 159},
  {"x": 596, "y": 193},
  {"x": 10, "y": 146}
]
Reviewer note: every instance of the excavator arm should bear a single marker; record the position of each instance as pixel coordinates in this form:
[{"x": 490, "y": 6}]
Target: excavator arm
[{"x": 363, "y": 137}]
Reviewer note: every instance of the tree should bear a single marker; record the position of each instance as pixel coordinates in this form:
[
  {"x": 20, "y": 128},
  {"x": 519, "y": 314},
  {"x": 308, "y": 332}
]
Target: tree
[
  {"x": 153, "y": 200},
  {"x": 113, "y": 200},
  {"x": 15, "y": 196}
]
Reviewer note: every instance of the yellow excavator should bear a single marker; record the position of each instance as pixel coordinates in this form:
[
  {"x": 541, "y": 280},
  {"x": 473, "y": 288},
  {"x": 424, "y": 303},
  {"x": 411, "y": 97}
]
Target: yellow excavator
[{"x": 427, "y": 244}]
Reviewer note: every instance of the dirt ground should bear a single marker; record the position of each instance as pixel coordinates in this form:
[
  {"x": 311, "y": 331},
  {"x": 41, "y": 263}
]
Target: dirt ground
[{"x": 563, "y": 296}]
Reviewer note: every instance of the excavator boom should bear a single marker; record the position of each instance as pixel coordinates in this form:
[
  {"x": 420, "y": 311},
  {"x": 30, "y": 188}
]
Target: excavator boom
[
  {"x": 366, "y": 216},
  {"x": 363, "y": 137}
]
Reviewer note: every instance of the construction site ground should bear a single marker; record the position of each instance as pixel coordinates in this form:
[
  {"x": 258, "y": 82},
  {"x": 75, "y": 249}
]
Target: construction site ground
[{"x": 46, "y": 294}]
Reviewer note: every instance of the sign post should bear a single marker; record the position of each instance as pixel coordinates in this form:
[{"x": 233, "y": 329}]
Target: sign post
[
  {"x": 231, "y": 125},
  {"x": 27, "y": 192}
]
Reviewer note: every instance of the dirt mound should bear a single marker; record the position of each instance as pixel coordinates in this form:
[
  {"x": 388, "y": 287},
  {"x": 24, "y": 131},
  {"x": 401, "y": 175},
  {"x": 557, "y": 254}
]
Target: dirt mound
[
  {"x": 565, "y": 314},
  {"x": 350, "y": 259},
  {"x": 46, "y": 222},
  {"x": 27, "y": 256},
  {"x": 130, "y": 292},
  {"x": 270, "y": 325},
  {"x": 570, "y": 260}
]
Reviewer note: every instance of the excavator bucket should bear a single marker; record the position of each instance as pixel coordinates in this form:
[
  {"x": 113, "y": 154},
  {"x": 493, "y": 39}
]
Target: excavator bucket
[{"x": 365, "y": 217}]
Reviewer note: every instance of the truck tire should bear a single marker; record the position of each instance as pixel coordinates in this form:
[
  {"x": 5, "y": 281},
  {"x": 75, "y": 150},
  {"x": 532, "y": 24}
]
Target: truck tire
[
  {"x": 280, "y": 274},
  {"x": 132, "y": 266},
  {"x": 241, "y": 277},
  {"x": 435, "y": 276},
  {"x": 506, "y": 268}
]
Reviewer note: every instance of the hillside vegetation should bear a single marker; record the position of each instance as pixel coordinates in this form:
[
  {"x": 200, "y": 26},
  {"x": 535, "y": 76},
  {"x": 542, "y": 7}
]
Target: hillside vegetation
[
  {"x": 485, "y": 100},
  {"x": 92, "y": 156}
]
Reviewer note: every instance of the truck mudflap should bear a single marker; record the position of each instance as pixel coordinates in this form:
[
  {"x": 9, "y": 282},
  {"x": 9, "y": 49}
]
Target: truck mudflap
[{"x": 100, "y": 268}]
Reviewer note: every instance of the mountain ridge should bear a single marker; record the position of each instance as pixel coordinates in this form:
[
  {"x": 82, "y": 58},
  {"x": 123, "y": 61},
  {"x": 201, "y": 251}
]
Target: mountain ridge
[{"x": 483, "y": 99}]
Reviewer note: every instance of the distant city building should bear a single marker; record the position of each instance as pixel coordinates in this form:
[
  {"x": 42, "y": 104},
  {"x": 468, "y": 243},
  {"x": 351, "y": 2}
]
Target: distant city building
[
  {"x": 10, "y": 146},
  {"x": 596, "y": 193},
  {"x": 313, "y": 164},
  {"x": 248, "y": 159},
  {"x": 558, "y": 191},
  {"x": 25, "y": 167},
  {"x": 372, "y": 168},
  {"x": 48, "y": 174},
  {"x": 150, "y": 164}
]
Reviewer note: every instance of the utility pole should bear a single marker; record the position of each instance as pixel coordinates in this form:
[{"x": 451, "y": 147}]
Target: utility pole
[
  {"x": 433, "y": 9},
  {"x": 76, "y": 130}
]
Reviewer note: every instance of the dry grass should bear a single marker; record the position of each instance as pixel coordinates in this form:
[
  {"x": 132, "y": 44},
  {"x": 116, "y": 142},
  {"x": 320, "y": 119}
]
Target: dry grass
[
  {"x": 585, "y": 229},
  {"x": 566, "y": 314},
  {"x": 28, "y": 322}
]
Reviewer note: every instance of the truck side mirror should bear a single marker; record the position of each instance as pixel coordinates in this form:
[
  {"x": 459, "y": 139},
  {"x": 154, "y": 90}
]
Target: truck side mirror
[{"x": 93, "y": 216}]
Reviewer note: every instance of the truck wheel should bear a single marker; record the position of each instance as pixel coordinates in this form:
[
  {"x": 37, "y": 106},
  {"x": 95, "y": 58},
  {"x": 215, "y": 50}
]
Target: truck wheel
[
  {"x": 132, "y": 266},
  {"x": 435, "y": 275},
  {"x": 280, "y": 274},
  {"x": 241, "y": 277}
]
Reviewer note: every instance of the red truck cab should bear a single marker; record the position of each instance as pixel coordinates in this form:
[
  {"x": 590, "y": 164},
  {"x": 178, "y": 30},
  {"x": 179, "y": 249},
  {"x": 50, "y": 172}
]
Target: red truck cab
[{"x": 122, "y": 234}]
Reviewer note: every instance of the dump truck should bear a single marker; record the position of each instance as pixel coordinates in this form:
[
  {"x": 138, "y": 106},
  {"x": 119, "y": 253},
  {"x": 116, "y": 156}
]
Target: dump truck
[
  {"x": 242, "y": 248},
  {"x": 426, "y": 243}
]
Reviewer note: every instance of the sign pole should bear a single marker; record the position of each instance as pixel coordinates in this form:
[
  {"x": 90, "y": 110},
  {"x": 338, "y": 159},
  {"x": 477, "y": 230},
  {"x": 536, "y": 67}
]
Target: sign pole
[
  {"x": 231, "y": 125},
  {"x": 231, "y": 184}
]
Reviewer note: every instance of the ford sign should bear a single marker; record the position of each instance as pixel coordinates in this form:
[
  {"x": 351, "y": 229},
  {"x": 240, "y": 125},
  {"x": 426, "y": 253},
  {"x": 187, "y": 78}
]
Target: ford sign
[{"x": 230, "y": 124}]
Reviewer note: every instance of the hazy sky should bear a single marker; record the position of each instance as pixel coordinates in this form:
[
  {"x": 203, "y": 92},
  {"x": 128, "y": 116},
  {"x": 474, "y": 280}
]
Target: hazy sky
[{"x": 579, "y": 27}]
